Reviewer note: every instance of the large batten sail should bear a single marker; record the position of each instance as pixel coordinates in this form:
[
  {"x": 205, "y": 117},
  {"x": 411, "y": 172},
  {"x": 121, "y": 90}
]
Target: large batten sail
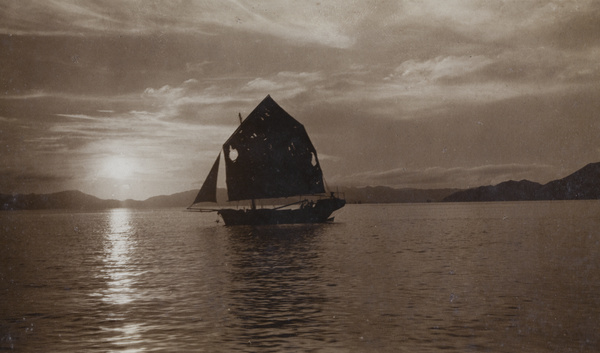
[
  {"x": 208, "y": 191},
  {"x": 270, "y": 155}
]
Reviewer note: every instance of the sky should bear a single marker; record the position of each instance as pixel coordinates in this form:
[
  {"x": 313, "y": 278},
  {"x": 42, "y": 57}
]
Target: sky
[{"x": 133, "y": 99}]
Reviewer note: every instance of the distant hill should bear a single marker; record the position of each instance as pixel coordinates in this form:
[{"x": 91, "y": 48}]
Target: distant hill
[
  {"x": 383, "y": 194},
  {"x": 506, "y": 191},
  {"x": 60, "y": 200},
  {"x": 77, "y": 200},
  {"x": 584, "y": 184},
  {"x": 180, "y": 199}
]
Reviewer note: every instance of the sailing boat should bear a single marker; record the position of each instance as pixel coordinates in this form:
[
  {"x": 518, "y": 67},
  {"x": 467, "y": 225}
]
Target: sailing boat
[{"x": 270, "y": 156}]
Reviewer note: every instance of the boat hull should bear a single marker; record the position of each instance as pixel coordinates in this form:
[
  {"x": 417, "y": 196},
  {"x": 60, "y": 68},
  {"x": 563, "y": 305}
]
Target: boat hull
[{"x": 318, "y": 212}]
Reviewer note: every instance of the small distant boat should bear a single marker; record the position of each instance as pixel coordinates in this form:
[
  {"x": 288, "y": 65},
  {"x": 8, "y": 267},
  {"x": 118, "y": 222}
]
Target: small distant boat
[{"x": 270, "y": 156}]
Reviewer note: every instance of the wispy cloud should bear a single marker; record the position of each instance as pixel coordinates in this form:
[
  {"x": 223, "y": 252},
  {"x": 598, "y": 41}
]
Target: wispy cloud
[
  {"x": 412, "y": 71},
  {"x": 285, "y": 84},
  {"x": 289, "y": 20}
]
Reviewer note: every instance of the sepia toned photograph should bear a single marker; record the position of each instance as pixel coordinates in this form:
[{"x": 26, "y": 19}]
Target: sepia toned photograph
[{"x": 300, "y": 176}]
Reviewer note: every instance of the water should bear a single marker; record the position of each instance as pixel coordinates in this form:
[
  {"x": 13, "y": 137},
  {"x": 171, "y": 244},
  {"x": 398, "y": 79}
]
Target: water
[{"x": 485, "y": 277}]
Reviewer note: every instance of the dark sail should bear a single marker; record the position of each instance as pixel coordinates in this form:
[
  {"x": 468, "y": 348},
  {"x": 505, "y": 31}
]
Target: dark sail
[
  {"x": 270, "y": 155},
  {"x": 208, "y": 191}
]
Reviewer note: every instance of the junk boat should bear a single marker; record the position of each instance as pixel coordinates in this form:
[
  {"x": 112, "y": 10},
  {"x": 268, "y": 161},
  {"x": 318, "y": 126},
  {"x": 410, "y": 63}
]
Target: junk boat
[{"x": 270, "y": 156}]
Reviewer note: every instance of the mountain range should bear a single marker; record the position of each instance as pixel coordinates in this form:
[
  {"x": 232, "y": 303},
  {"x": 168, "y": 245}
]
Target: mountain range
[
  {"x": 77, "y": 200},
  {"x": 581, "y": 185},
  {"x": 584, "y": 184}
]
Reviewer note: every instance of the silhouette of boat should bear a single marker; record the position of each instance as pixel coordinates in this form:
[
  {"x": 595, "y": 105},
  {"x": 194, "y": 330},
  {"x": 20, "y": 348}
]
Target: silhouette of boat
[{"x": 270, "y": 156}]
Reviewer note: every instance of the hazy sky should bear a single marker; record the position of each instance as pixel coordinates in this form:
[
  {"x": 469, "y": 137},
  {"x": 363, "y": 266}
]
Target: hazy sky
[{"x": 131, "y": 99}]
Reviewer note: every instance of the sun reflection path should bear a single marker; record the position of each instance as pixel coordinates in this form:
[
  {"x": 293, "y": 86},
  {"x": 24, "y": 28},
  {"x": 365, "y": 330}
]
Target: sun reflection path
[
  {"x": 119, "y": 245},
  {"x": 120, "y": 273}
]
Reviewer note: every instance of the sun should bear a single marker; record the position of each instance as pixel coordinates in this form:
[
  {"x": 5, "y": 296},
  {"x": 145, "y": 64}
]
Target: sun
[{"x": 118, "y": 167}]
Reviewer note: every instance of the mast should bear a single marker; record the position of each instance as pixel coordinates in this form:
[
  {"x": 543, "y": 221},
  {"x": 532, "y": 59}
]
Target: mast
[{"x": 253, "y": 204}]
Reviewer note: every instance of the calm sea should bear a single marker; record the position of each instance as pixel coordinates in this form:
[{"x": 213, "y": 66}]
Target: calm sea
[{"x": 478, "y": 277}]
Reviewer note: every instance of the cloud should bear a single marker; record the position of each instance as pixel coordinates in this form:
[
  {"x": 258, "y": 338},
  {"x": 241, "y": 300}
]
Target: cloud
[
  {"x": 571, "y": 26},
  {"x": 8, "y": 120},
  {"x": 438, "y": 68},
  {"x": 32, "y": 177},
  {"x": 284, "y": 85},
  {"x": 78, "y": 116},
  {"x": 74, "y": 18},
  {"x": 289, "y": 20},
  {"x": 194, "y": 99},
  {"x": 294, "y": 21},
  {"x": 26, "y": 180},
  {"x": 261, "y": 84},
  {"x": 490, "y": 22}
]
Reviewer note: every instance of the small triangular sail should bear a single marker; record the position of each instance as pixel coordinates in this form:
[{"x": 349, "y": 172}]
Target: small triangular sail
[
  {"x": 208, "y": 191},
  {"x": 270, "y": 155}
]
